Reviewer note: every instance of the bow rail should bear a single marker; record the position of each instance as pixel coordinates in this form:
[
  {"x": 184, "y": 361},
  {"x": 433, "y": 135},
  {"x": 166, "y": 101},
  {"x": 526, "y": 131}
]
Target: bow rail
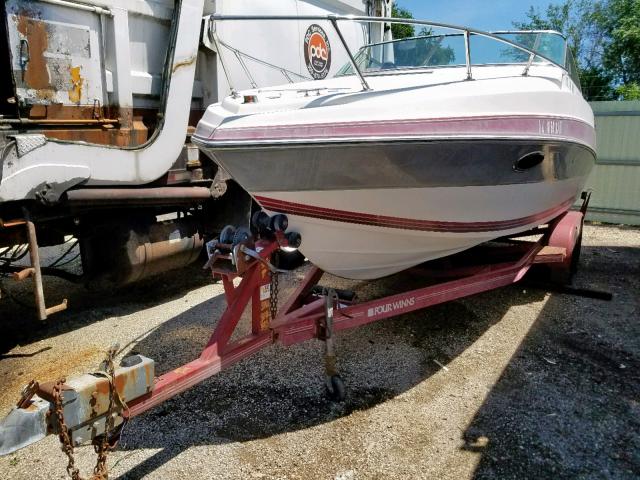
[{"x": 334, "y": 19}]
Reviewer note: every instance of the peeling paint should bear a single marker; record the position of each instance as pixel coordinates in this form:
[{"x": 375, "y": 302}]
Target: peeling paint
[
  {"x": 75, "y": 94},
  {"x": 36, "y": 73},
  {"x": 46, "y": 55}
]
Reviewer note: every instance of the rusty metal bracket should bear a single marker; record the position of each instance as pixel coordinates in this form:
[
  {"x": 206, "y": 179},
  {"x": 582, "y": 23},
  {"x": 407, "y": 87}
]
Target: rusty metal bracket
[
  {"x": 12, "y": 223},
  {"x": 36, "y": 272},
  {"x": 27, "y": 394},
  {"x": 24, "y": 274}
]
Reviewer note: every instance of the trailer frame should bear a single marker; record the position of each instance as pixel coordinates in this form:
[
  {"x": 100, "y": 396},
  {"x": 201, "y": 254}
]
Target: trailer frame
[
  {"x": 241, "y": 260},
  {"x": 307, "y": 314}
]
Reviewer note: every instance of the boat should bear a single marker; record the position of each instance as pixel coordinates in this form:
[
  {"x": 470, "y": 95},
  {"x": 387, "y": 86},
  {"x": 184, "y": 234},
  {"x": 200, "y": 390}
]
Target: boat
[{"x": 417, "y": 149}]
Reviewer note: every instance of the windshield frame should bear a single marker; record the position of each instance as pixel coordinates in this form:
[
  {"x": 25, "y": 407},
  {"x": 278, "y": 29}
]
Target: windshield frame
[
  {"x": 334, "y": 19},
  {"x": 346, "y": 70}
]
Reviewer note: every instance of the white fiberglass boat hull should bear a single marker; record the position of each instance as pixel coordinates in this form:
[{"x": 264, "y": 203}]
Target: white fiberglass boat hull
[
  {"x": 419, "y": 168},
  {"x": 340, "y": 239}
]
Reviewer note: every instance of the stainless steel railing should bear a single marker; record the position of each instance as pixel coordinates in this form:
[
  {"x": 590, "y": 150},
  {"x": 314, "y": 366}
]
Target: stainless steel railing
[
  {"x": 241, "y": 56},
  {"x": 334, "y": 19}
]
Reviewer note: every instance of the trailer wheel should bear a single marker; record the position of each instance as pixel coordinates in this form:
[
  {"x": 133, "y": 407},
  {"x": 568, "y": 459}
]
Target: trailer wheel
[
  {"x": 567, "y": 233},
  {"x": 575, "y": 258},
  {"x": 336, "y": 391},
  {"x": 564, "y": 274}
]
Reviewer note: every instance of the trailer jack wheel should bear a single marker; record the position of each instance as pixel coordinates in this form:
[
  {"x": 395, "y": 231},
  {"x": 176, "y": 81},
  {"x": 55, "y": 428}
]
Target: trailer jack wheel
[{"x": 336, "y": 391}]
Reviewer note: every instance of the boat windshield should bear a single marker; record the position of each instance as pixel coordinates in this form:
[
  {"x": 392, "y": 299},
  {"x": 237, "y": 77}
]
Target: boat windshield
[{"x": 428, "y": 50}]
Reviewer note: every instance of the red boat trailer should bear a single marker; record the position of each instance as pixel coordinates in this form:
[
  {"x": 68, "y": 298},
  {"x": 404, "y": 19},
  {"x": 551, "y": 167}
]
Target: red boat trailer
[
  {"x": 98, "y": 403},
  {"x": 309, "y": 314}
]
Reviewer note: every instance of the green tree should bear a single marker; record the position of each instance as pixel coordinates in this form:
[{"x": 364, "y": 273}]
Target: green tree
[
  {"x": 622, "y": 53},
  {"x": 604, "y": 36},
  {"x": 431, "y": 48},
  {"x": 597, "y": 83},
  {"x": 629, "y": 91},
  {"x": 580, "y": 21},
  {"x": 400, "y": 30}
]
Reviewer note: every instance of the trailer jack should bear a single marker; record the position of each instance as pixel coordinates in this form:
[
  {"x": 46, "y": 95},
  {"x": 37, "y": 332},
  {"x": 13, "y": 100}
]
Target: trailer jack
[{"x": 309, "y": 312}]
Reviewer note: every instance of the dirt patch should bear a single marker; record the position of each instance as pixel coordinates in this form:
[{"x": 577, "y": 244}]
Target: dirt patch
[{"x": 43, "y": 366}]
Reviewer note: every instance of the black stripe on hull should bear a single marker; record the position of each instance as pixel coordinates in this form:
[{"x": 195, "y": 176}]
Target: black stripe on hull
[{"x": 400, "y": 164}]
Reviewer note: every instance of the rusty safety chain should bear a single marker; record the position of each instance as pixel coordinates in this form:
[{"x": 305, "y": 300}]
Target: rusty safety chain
[
  {"x": 273, "y": 295},
  {"x": 101, "y": 445}
]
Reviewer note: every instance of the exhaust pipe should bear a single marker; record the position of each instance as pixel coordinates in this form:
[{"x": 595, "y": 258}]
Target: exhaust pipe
[{"x": 138, "y": 196}]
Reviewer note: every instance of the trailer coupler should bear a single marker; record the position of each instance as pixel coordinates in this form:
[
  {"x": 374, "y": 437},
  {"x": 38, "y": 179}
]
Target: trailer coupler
[{"x": 85, "y": 405}]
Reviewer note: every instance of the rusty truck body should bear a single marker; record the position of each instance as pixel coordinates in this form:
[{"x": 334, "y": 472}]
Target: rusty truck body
[{"x": 98, "y": 99}]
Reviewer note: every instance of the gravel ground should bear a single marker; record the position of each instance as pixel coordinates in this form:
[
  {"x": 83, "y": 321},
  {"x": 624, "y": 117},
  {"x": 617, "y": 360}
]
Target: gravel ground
[{"x": 536, "y": 384}]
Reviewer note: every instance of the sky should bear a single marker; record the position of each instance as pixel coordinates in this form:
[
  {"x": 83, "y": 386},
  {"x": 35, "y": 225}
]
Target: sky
[{"x": 480, "y": 14}]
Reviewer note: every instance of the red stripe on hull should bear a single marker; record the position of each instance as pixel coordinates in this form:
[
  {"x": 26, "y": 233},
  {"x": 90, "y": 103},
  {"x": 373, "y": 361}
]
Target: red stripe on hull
[
  {"x": 407, "y": 223},
  {"x": 495, "y": 126}
]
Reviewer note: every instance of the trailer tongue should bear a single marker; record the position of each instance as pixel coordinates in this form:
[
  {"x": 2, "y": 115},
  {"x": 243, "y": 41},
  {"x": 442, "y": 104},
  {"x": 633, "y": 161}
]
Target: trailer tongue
[
  {"x": 86, "y": 403},
  {"x": 92, "y": 407}
]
